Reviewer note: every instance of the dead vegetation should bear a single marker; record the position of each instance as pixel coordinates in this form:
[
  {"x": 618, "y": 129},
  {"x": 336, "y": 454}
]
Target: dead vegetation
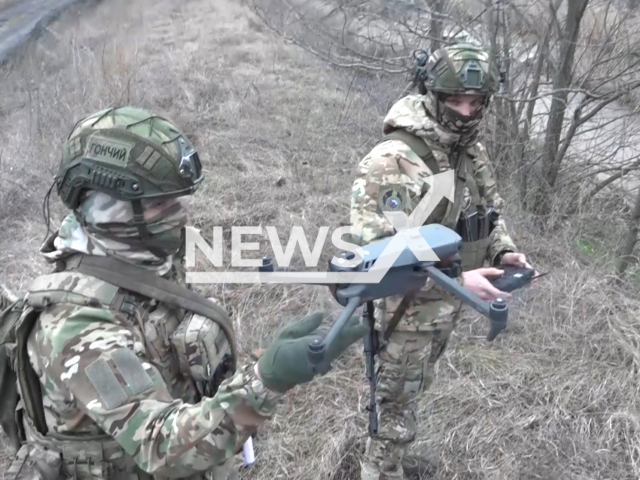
[{"x": 280, "y": 134}]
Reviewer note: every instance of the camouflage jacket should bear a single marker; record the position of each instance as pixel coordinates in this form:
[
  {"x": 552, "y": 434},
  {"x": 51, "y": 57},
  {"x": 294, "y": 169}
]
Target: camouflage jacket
[
  {"x": 392, "y": 164},
  {"x": 102, "y": 371}
]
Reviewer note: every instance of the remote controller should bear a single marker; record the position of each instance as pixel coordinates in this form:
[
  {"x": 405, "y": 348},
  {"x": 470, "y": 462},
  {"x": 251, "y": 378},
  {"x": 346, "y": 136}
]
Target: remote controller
[{"x": 513, "y": 278}]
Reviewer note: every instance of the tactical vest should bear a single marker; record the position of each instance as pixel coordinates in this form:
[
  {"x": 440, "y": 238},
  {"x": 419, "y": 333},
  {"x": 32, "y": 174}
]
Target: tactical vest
[
  {"x": 45, "y": 455},
  {"x": 467, "y": 215}
]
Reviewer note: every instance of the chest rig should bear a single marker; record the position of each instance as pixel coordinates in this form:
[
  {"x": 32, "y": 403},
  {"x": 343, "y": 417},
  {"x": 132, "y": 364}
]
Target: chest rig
[{"x": 467, "y": 215}]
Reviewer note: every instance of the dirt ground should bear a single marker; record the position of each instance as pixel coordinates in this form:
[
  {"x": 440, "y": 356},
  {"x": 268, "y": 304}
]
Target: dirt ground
[{"x": 280, "y": 135}]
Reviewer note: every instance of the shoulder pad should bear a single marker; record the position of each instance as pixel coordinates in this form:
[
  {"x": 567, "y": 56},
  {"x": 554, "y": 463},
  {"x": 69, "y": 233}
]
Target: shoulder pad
[{"x": 70, "y": 287}]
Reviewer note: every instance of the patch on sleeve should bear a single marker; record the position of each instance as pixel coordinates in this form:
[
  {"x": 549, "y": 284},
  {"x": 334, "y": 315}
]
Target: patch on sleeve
[
  {"x": 133, "y": 373},
  {"x": 109, "y": 386},
  {"x": 106, "y": 384},
  {"x": 392, "y": 199}
]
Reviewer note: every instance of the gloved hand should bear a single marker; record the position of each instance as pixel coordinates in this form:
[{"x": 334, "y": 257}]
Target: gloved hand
[{"x": 284, "y": 364}]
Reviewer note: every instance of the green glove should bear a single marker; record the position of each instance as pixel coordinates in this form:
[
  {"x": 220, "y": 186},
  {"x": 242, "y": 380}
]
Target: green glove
[{"x": 284, "y": 364}]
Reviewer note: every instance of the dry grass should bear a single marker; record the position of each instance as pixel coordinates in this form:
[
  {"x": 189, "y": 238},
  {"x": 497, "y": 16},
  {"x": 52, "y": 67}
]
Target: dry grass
[{"x": 280, "y": 134}]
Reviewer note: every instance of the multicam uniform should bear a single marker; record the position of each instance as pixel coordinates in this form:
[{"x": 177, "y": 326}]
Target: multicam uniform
[
  {"x": 128, "y": 375},
  {"x": 127, "y": 382},
  {"x": 394, "y": 177},
  {"x": 153, "y": 411}
]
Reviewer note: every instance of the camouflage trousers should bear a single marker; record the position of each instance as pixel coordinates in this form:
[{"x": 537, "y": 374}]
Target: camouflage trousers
[{"x": 405, "y": 369}]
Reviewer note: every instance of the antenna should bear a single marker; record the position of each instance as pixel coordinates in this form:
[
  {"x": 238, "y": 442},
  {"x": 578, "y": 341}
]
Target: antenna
[{"x": 502, "y": 70}]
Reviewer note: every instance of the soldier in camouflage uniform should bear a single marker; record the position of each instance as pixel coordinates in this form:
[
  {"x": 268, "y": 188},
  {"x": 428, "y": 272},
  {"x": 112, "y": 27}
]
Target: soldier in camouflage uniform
[
  {"x": 128, "y": 384},
  {"x": 427, "y": 134}
]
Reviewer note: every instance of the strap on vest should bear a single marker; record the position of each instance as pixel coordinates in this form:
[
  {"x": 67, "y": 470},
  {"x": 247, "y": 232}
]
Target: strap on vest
[
  {"x": 416, "y": 144},
  {"x": 26, "y": 375},
  {"x": 421, "y": 149},
  {"x": 473, "y": 188},
  {"x": 9, "y": 401},
  {"x": 453, "y": 209},
  {"x": 153, "y": 286}
]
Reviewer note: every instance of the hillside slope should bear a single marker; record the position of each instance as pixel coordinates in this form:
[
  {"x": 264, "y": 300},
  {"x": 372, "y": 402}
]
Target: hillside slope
[{"x": 280, "y": 134}]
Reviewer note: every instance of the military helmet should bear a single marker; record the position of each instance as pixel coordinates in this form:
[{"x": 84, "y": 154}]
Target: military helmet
[
  {"x": 129, "y": 154},
  {"x": 459, "y": 69}
]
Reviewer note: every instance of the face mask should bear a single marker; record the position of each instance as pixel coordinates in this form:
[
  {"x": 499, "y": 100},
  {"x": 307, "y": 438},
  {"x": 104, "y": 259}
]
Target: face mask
[
  {"x": 460, "y": 123},
  {"x": 161, "y": 244},
  {"x": 110, "y": 221},
  {"x": 454, "y": 122}
]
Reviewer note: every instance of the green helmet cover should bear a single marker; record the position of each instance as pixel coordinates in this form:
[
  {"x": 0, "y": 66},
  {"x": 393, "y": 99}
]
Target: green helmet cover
[
  {"x": 462, "y": 68},
  {"x": 129, "y": 154}
]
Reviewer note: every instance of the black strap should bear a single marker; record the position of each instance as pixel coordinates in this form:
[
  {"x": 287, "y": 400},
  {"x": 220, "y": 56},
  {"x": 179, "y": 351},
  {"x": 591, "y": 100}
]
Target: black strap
[
  {"x": 26, "y": 375},
  {"x": 9, "y": 399},
  {"x": 138, "y": 218},
  {"x": 153, "y": 286},
  {"x": 397, "y": 315}
]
